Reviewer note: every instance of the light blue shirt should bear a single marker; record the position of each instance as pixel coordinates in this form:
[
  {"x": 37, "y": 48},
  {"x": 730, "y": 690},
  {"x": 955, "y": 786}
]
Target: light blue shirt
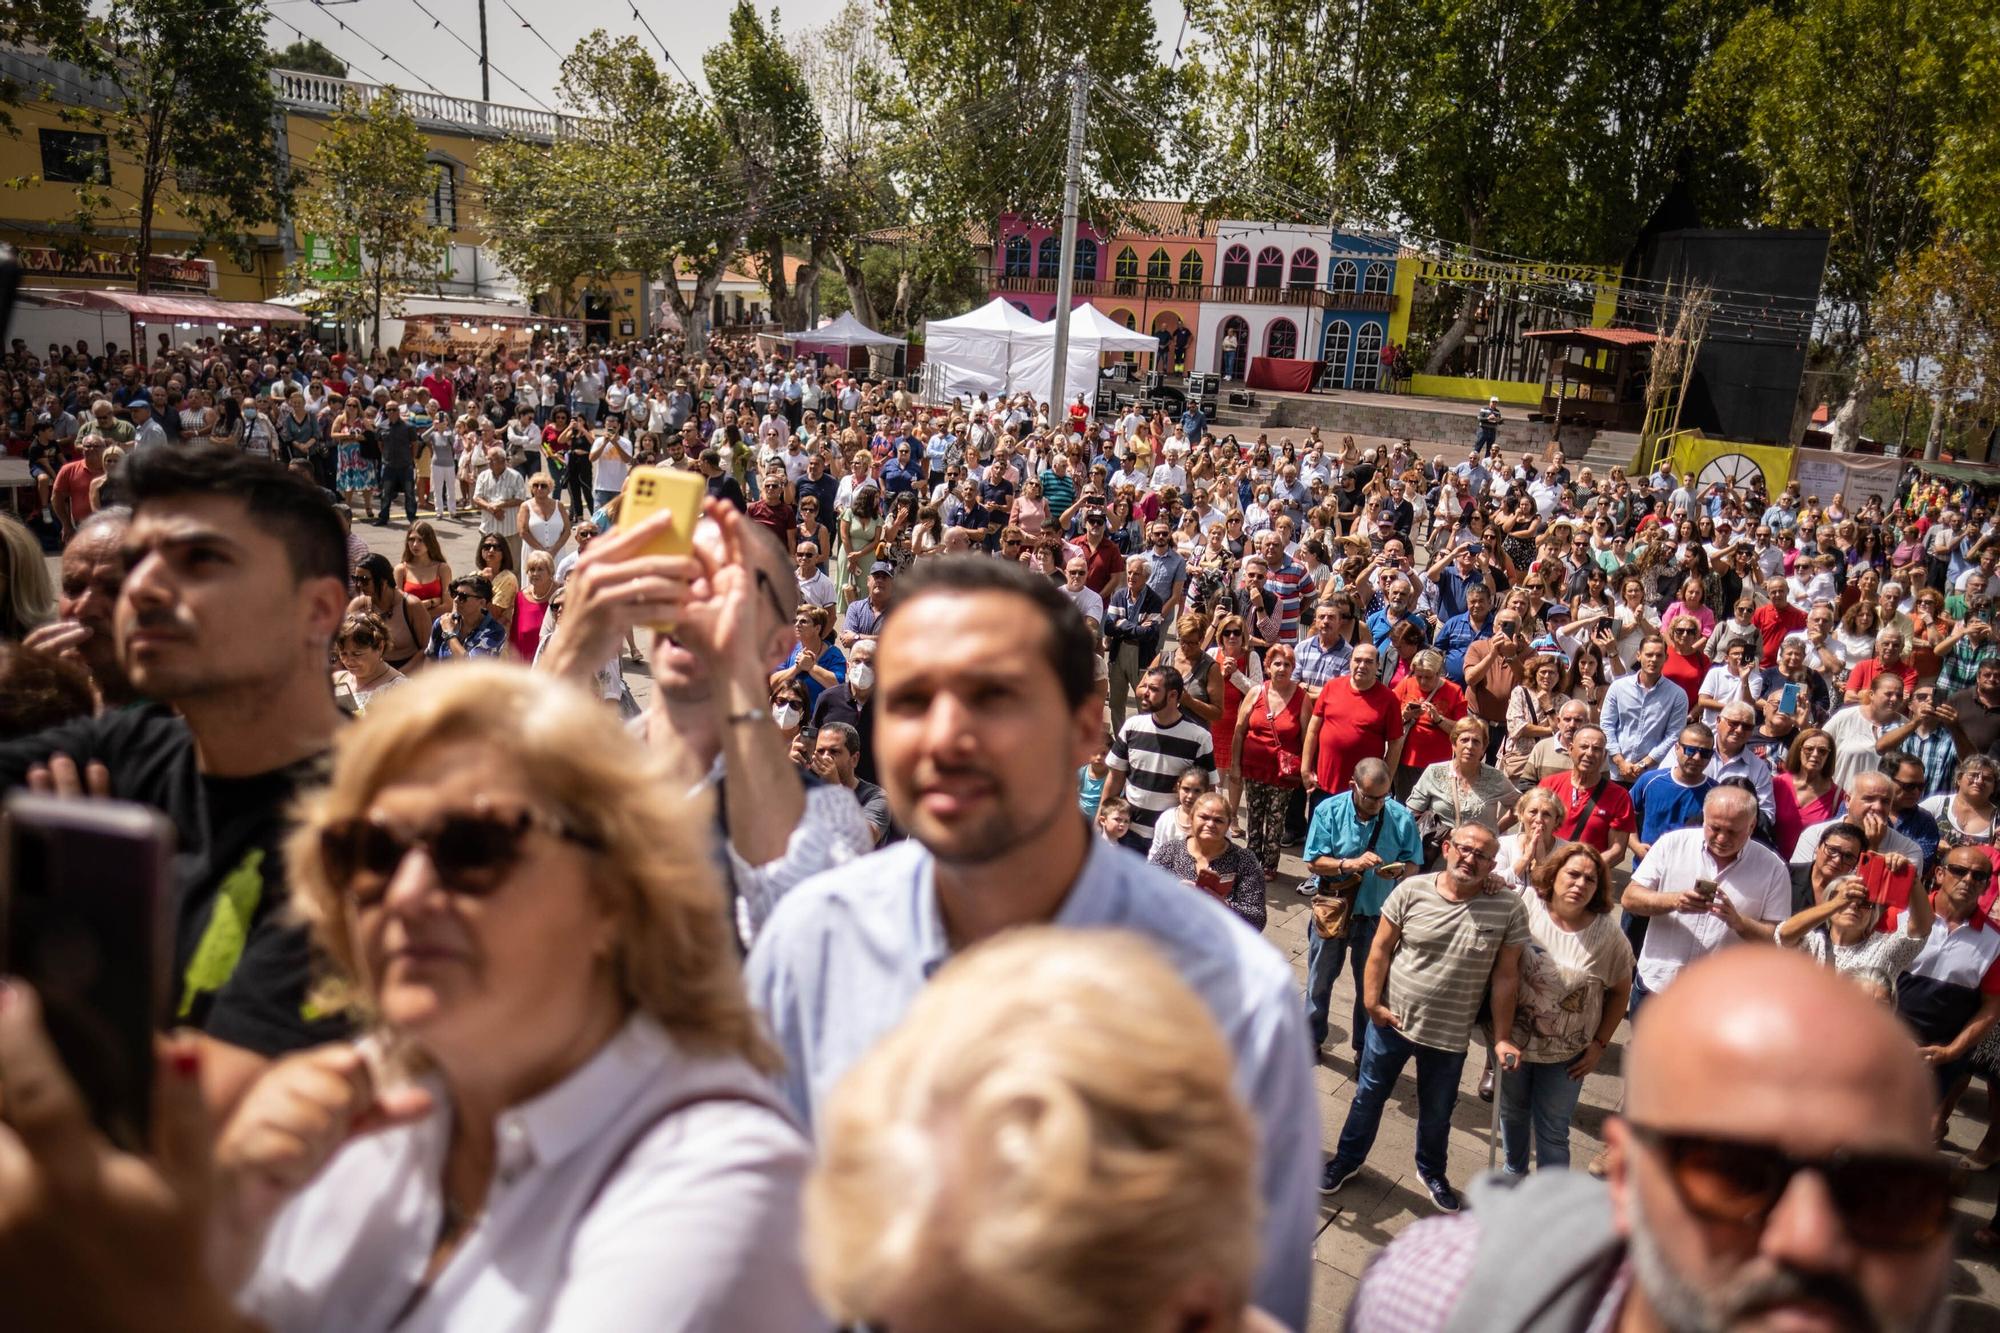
[
  {"x": 1640, "y": 723},
  {"x": 1335, "y": 831},
  {"x": 846, "y": 952}
]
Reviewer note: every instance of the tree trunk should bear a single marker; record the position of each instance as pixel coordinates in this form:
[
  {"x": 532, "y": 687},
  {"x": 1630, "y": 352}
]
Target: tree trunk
[
  {"x": 1845, "y": 428},
  {"x": 858, "y": 300},
  {"x": 1934, "y": 437},
  {"x": 1455, "y": 335},
  {"x": 687, "y": 307}
]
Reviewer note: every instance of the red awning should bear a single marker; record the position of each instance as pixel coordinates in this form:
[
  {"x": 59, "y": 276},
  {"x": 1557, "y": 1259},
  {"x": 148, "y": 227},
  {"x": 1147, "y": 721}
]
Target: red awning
[
  {"x": 192, "y": 309},
  {"x": 1599, "y": 337}
]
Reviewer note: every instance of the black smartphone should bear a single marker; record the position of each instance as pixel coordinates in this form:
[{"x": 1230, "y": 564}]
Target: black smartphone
[{"x": 83, "y": 904}]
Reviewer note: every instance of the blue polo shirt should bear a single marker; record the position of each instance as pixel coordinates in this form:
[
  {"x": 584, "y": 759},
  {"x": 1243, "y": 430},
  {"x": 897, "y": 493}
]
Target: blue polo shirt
[
  {"x": 1335, "y": 831},
  {"x": 1459, "y": 634}
]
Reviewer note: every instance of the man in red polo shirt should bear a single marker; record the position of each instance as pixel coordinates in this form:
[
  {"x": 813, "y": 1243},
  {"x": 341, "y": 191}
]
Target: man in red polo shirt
[
  {"x": 1889, "y": 660},
  {"x": 1596, "y": 810},
  {"x": 1777, "y": 618},
  {"x": 441, "y": 385},
  {"x": 1356, "y": 717}
]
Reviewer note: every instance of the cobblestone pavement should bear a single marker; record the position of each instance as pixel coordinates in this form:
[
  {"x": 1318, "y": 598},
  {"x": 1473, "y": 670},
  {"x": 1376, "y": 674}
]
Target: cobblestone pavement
[{"x": 1386, "y": 1196}]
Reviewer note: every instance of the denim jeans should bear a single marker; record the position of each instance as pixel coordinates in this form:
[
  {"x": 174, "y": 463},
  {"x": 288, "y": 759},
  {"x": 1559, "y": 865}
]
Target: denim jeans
[
  {"x": 1639, "y": 994},
  {"x": 1323, "y": 963},
  {"x": 1383, "y": 1056},
  {"x": 1540, "y": 1098},
  {"x": 394, "y": 479}
]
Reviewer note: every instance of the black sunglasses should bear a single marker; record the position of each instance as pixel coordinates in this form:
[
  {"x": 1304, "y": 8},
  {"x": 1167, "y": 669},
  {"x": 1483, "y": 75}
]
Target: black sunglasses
[
  {"x": 1890, "y": 1200},
  {"x": 1976, "y": 874},
  {"x": 472, "y": 851}
]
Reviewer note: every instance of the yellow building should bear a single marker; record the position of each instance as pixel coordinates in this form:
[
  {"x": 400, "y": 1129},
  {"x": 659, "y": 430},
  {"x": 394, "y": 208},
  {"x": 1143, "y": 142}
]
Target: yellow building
[{"x": 55, "y": 155}]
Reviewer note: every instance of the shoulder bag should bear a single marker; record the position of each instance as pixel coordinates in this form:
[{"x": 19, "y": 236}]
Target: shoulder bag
[{"x": 1333, "y": 904}]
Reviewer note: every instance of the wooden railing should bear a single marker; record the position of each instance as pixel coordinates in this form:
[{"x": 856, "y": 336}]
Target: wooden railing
[{"x": 1159, "y": 289}]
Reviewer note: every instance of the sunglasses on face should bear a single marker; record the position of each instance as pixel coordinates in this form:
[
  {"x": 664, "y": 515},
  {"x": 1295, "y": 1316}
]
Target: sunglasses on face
[
  {"x": 1977, "y": 874},
  {"x": 1697, "y": 751},
  {"x": 471, "y": 851},
  {"x": 1885, "y": 1200}
]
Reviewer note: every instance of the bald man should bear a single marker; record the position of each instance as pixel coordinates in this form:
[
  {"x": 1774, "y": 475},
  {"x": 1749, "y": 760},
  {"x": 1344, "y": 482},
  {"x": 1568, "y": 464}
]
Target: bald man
[{"x": 1773, "y": 1168}]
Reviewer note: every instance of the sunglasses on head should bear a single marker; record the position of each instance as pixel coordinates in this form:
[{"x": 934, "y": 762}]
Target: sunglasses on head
[
  {"x": 1886, "y": 1200},
  {"x": 471, "y": 851}
]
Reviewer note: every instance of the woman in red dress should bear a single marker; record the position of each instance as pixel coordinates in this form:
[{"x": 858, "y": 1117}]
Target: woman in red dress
[
  {"x": 1235, "y": 670},
  {"x": 1264, "y": 751}
]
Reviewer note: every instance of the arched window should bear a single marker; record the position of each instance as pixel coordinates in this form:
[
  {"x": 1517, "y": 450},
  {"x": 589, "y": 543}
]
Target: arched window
[
  {"x": 1334, "y": 349},
  {"x": 1126, "y": 318},
  {"x": 1191, "y": 268},
  {"x": 1022, "y": 306},
  {"x": 1159, "y": 268},
  {"x": 1270, "y": 267},
  {"x": 1014, "y": 257},
  {"x": 443, "y": 208},
  {"x": 1125, "y": 267},
  {"x": 1236, "y": 267},
  {"x": 1281, "y": 340},
  {"x": 1377, "y": 278},
  {"x": 1048, "y": 257},
  {"x": 1367, "y": 355},
  {"x": 1305, "y": 269},
  {"x": 1343, "y": 276},
  {"x": 1086, "y": 259}
]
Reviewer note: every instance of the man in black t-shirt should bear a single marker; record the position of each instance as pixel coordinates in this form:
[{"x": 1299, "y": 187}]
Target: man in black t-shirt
[{"x": 236, "y": 580}]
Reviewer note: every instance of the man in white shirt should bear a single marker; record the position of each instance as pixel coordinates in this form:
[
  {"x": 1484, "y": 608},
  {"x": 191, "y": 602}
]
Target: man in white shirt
[
  {"x": 1704, "y": 889},
  {"x": 1871, "y": 805},
  {"x": 814, "y": 586},
  {"x": 1857, "y": 730},
  {"x": 610, "y": 461},
  {"x": 1075, "y": 571},
  {"x": 1734, "y": 759},
  {"x": 1170, "y": 473},
  {"x": 497, "y": 494}
]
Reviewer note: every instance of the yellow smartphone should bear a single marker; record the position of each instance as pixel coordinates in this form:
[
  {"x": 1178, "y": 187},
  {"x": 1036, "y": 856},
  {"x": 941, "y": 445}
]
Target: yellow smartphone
[{"x": 648, "y": 490}]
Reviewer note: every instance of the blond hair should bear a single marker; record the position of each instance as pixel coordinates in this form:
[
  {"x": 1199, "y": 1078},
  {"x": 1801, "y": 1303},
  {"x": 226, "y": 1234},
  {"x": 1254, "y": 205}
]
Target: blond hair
[
  {"x": 1054, "y": 1096},
  {"x": 673, "y": 960}
]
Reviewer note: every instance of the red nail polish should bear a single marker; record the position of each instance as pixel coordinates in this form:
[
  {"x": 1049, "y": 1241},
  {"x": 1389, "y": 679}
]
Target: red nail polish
[{"x": 186, "y": 1061}]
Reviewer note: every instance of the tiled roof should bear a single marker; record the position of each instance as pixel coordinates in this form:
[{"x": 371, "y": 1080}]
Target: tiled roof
[{"x": 1159, "y": 217}]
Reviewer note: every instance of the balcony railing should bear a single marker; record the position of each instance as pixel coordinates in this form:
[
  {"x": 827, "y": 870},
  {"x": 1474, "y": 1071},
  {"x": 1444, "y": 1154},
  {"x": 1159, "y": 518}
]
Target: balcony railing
[
  {"x": 322, "y": 94},
  {"x": 1159, "y": 289}
]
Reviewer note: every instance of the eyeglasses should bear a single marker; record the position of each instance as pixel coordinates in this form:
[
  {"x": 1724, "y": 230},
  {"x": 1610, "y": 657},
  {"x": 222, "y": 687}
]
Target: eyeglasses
[
  {"x": 1977, "y": 874},
  {"x": 1697, "y": 751},
  {"x": 1838, "y": 855},
  {"x": 472, "y": 851},
  {"x": 1890, "y": 1200}
]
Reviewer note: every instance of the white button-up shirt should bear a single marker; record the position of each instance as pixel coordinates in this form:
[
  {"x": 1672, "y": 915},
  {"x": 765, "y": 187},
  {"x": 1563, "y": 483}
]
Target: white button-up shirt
[
  {"x": 651, "y": 1189},
  {"x": 1757, "y": 882}
]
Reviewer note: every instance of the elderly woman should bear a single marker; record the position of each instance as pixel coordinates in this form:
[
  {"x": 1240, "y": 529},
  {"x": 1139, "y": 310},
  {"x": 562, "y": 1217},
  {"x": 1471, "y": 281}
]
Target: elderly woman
[
  {"x": 1266, "y": 751},
  {"x": 562, "y": 1060},
  {"x": 1431, "y": 705},
  {"x": 359, "y": 645},
  {"x": 815, "y": 661},
  {"x": 1840, "y": 932},
  {"x": 1537, "y": 812},
  {"x": 1209, "y": 861},
  {"x": 991, "y": 1152},
  {"x": 1967, "y": 812},
  {"x": 1576, "y": 979},
  {"x": 1464, "y": 789}
]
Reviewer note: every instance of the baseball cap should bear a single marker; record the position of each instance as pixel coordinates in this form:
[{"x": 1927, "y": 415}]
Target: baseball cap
[{"x": 884, "y": 568}]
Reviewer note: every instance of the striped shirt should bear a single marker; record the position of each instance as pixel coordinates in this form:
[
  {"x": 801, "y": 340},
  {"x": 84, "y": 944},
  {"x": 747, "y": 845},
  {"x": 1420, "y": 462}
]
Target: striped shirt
[
  {"x": 1293, "y": 587},
  {"x": 1442, "y": 967},
  {"x": 1153, "y": 757},
  {"x": 1318, "y": 664}
]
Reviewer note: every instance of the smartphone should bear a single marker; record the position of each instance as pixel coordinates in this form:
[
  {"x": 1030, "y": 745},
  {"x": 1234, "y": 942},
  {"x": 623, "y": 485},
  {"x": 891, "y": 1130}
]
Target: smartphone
[
  {"x": 1393, "y": 870},
  {"x": 651, "y": 489},
  {"x": 1707, "y": 888},
  {"x": 83, "y": 918},
  {"x": 1890, "y": 890}
]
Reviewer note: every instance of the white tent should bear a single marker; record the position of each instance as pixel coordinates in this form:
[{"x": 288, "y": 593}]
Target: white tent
[
  {"x": 847, "y": 331},
  {"x": 1092, "y": 333},
  {"x": 980, "y": 351}
]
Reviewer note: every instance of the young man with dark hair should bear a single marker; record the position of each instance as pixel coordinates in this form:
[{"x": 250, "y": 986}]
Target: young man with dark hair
[
  {"x": 988, "y": 705},
  {"x": 236, "y": 578}
]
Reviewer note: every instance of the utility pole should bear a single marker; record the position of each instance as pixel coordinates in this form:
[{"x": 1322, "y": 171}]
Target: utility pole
[
  {"x": 1079, "y": 107},
  {"x": 485, "y": 64}
]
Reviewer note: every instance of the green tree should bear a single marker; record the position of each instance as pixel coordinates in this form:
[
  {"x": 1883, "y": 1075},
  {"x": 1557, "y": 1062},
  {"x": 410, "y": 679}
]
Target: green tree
[
  {"x": 63, "y": 28},
  {"x": 846, "y": 67},
  {"x": 371, "y": 182},
  {"x": 312, "y": 56},
  {"x": 640, "y": 180},
  {"x": 1936, "y": 335},
  {"x": 193, "y": 111}
]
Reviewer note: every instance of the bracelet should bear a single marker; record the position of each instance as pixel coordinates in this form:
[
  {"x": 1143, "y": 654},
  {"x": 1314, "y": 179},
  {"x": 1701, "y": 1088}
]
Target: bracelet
[{"x": 749, "y": 715}]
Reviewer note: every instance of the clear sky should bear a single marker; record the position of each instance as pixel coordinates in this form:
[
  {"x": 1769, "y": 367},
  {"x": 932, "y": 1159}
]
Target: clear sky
[{"x": 687, "y": 27}]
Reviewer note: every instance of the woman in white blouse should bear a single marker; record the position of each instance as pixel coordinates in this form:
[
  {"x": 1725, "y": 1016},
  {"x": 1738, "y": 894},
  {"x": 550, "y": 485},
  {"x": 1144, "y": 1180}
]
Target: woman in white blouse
[{"x": 559, "y": 1120}]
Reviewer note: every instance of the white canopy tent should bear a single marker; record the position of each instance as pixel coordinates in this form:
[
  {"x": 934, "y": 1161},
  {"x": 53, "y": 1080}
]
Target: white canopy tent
[
  {"x": 983, "y": 350},
  {"x": 1092, "y": 333},
  {"x": 847, "y": 331}
]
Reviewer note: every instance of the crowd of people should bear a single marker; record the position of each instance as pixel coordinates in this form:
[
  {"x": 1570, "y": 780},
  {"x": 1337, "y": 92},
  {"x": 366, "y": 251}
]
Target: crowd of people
[{"x": 905, "y": 961}]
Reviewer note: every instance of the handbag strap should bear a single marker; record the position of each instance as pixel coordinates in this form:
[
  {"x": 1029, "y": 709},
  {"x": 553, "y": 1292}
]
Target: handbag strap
[{"x": 1581, "y": 820}]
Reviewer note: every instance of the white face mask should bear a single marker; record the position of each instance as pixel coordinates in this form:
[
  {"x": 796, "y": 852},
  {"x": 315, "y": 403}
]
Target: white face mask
[
  {"x": 861, "y": 676},
  {"x": 786, "y": 716}
]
